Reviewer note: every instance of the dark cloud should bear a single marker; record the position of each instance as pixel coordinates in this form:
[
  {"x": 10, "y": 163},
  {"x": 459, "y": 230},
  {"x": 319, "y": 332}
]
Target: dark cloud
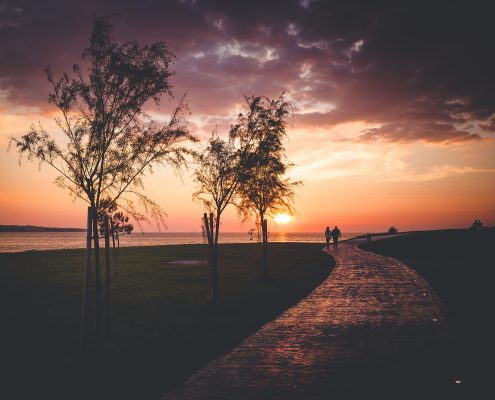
[
  {"x": 433, "y": 132},
  {"x": 418, "y": 70}
]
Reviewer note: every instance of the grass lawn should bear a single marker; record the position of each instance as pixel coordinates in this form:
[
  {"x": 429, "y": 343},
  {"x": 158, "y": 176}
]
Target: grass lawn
[
  {"x": 459, "y": 265},
  {"x": 163, "y": 324}
]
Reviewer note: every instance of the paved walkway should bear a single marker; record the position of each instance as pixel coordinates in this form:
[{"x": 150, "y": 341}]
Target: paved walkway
[{"x": 372, "y": 323}]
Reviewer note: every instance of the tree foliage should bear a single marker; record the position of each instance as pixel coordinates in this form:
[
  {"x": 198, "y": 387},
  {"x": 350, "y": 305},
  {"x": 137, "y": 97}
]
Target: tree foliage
[
  {"x": 217, "y": 175},
  {"x": 118, "y": 224},
  {"x": 217, "y": 178},
  {"x": 261, "y": 129},
  {"x": 264, "y": 188},
  {"x": 392, "y": 230},
  {"x": 110, "y": 142}
]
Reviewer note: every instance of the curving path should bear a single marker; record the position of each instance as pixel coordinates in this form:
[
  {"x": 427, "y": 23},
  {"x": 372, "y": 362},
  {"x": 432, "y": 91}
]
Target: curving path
[{"x": 372, "y": 324}]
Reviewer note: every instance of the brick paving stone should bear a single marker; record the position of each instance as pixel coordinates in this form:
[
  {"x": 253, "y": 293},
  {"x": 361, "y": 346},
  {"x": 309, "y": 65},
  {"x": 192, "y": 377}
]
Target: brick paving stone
[{"x": 365, "y": 325}]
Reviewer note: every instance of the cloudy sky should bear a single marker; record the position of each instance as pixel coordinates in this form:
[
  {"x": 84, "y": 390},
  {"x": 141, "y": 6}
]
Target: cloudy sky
[{"x": 395, "y": 117}]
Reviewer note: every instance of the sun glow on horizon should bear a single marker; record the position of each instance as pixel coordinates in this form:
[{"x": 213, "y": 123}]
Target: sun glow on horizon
[{"x": 282, "y": 218}]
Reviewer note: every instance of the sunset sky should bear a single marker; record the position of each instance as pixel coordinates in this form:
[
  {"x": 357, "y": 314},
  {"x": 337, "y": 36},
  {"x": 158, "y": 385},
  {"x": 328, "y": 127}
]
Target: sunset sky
[{"x": 395, "y": 105}]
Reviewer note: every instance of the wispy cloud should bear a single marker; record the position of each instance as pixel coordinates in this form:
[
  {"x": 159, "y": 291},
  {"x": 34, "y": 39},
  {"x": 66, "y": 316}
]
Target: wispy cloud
[{"x": 442, "y": 171}]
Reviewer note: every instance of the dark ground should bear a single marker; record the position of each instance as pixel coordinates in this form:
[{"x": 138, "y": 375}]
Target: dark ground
[
  {"x": 373, "y": 330},
  {"x": 459, "y": 265},
  {"x": 164, "y": 326}
]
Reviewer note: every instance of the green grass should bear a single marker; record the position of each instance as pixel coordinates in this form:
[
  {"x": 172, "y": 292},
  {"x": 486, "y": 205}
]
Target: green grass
[
  {"x": 459, "y": 265},
  {"x": 163, "y": 325}
]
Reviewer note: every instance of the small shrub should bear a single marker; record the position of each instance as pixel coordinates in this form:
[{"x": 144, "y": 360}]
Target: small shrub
[{"x": 392, "y": 230}]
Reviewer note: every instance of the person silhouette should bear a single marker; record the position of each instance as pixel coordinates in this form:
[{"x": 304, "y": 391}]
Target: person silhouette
[
  {"x": 336, "y": 234},
  {"x": 328, "y": 234},
  {"x": 476, "y": 224}
]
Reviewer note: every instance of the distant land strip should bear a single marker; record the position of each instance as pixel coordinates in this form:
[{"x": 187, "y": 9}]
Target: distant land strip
[{"x": 31, "y": 228}]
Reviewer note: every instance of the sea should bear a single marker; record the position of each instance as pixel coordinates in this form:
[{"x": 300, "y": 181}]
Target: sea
[{"x": 11, "y": 242}]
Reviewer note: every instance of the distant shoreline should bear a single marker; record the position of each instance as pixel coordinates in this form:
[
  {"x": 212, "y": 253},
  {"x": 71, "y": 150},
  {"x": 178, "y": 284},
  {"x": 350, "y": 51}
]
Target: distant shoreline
[
  {"x": 15, "y": 242},
  {"x": 32, "y": 228},
  {"x": 30, "y": 238}
]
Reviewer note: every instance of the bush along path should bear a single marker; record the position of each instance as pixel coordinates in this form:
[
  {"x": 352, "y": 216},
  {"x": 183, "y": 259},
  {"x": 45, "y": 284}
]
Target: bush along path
[{"x": 374, "y": 325}]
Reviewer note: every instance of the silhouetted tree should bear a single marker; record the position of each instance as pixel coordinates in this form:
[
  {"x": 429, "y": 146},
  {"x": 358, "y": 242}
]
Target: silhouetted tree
[
  {"x": 110, "y": 143},
  {"x": 119, "y": 225},
  {"x": 108, "y": 218},
  {"x": 393, "y": 230},
  {"x": 264, "y": 188},
  {"x": 217, "y": 177}
]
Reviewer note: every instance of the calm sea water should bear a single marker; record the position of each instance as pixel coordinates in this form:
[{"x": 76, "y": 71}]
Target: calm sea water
[{"x": 29, "y": 241}]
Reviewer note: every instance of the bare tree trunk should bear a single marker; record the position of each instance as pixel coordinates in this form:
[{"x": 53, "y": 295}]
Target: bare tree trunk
[
  {"x": 264, "y": 256},
  {"x": 98, "y": 331},
  {"x": 215, "y": 293},
  {"x": 108, "y": 302},
  {"x": 206, "y": 223},
  {"x": 214, "y": 272},
  {"x": 212, "y": 252},
  {"x": 118, "y": 250},
  {"x": 115, "y": 255},
  {"x": 214, "y": 269},
  {"x": 86, "y": 300}
]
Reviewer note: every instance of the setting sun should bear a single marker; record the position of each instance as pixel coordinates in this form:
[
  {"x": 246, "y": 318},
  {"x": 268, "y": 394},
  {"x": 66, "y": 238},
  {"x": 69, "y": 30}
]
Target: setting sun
[
  {"x": 249, "y": 188},
  {"x": 282, "y": 218}
]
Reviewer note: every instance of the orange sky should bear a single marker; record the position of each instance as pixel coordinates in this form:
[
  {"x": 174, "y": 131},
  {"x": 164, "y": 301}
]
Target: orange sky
[
  {"x": 358, "y": 186},
  {"x": 395, "y": 107}
]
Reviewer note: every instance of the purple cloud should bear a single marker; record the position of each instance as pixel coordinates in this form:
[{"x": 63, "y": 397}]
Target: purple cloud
[{"x": 417, "y": 71}]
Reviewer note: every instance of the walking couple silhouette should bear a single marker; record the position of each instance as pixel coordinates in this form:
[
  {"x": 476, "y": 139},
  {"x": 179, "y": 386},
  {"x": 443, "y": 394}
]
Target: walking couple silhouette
[{"x": 335, "y": 234}]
